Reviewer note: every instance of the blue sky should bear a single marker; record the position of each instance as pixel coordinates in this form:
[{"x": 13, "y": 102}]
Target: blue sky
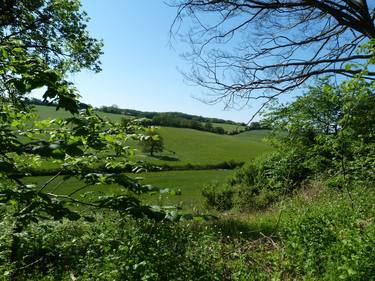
[{"x": 140, "y": 68}]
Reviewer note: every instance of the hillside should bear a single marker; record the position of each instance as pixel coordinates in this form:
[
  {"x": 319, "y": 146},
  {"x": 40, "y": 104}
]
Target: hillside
[
  {"x": 168, "y": 119},
  {"x": 196, "y": 147},
  {"x": 185, "y": 149},
  {"x": 188, "y": 146}
]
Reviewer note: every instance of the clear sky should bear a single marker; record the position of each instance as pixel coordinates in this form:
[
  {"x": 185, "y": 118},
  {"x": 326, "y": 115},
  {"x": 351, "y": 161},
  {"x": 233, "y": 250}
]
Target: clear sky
[{"x": 140, "y": 69}]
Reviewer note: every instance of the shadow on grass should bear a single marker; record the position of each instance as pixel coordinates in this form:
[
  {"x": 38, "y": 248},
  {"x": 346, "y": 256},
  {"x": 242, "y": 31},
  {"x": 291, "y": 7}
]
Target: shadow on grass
[
  {"x": 244, "y": 230},
  {"x": 165, "y": 158}
]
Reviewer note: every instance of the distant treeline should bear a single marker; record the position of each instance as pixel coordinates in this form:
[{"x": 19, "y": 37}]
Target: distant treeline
[
  {"x": 170, "y": 119},
  {"x": 183, "y": 120},
  {"x": 151, "y": 115}
]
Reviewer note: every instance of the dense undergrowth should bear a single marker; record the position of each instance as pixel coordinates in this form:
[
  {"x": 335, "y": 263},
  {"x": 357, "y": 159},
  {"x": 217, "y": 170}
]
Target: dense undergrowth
[
  {"x": 318, "y": 234},
  {"x": 331, "y": 238},
  {"x": 326, "y": 134}
]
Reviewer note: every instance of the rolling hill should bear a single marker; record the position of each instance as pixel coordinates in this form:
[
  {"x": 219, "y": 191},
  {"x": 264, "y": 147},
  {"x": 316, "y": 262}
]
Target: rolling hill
[{"x": 191, "y": 147}]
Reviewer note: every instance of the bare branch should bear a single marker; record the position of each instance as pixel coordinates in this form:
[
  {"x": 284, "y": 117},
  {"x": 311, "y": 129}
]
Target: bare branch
[{"x": 260, "y": 49}]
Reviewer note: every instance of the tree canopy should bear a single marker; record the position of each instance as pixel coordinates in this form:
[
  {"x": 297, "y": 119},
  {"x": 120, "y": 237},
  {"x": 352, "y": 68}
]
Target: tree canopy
[
  {"x": 42, "y": 41},
  {"x": 250, "y": 49}
]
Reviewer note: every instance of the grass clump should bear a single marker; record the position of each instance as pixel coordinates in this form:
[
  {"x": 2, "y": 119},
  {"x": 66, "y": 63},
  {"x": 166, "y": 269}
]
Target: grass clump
[{"x": 328, "y": 239}]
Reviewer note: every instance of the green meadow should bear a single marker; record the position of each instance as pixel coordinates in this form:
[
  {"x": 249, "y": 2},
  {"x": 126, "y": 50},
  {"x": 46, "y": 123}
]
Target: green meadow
[
  {"x": 185, "y": 148},
  {"x": 178, "y": 188}
]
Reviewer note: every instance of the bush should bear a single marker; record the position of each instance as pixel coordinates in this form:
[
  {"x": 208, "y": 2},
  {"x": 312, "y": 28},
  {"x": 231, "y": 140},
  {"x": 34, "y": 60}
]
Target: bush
[
  {"x": 221, "y": 200},
  {"x": 265, "y": 180},
  {"x": 329, "y": 240},
  {"x": 326, "y": 133}
]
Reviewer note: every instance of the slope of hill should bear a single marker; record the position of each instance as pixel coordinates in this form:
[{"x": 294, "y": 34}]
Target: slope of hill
[
  {"x": 169, "y": 119},
  {"x": 185, "y": 147}
]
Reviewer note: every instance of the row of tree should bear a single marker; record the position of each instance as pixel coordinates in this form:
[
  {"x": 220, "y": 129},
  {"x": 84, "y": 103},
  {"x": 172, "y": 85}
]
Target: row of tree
[
  {"x": 167, "y": 119},
  {"x": 150, "y": 115},
  {"x": 182, "y": 120},
  {"x": 173, "y": 120}
]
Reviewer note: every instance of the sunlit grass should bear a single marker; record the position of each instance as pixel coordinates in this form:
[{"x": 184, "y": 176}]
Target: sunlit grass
[{"x": 190, "y": 183}]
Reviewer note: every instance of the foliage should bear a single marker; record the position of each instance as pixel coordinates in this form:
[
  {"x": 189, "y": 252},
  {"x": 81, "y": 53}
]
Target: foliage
[
  {"x": 49, "y": 235},
  {"x": 314, "y": 236},
  {"x": 40, "y": 44},
  {"x": 332, "y": 124},
  {"x": 328, "y": 239},
  {"x": 78, "y": 144},
  {"x": 54, "y": 32},
  {"x": 326, "y": 133},
  {"x": 267, "y": 179},
  {"x": 220, "y": 200},
  {"x": 121, "y": 248}
]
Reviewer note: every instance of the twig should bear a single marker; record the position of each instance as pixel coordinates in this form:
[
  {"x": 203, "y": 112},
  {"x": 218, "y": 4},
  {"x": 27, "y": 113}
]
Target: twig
[
  {"x": 51, "y": 180},
  {"x": 269, "y": 239},
  {"x": 28, "y": 265},
  {"x": 79, "y": 189}
]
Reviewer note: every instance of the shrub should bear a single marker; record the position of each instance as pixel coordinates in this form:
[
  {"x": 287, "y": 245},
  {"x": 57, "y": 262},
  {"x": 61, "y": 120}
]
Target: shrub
[
  {"x": 265, "y": 180},
  {"x": 330, "y": 240},
  {"x": 326, "y": 133},
  {"x": 221, "y": 200}
]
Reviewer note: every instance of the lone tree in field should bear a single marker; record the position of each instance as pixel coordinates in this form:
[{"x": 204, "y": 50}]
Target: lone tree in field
[
  {"x": 260, "y": 49},
  {"x": 152, "y": 142}
]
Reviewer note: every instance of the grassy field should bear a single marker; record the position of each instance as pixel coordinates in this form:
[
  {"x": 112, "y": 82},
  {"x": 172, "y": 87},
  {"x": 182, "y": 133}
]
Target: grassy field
[
  {"x": 185, "y": 146},
  {"x": 254, "y": 135},
  {"x": 182, "y": 147},
  {"x": 190, "y": 183}
]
